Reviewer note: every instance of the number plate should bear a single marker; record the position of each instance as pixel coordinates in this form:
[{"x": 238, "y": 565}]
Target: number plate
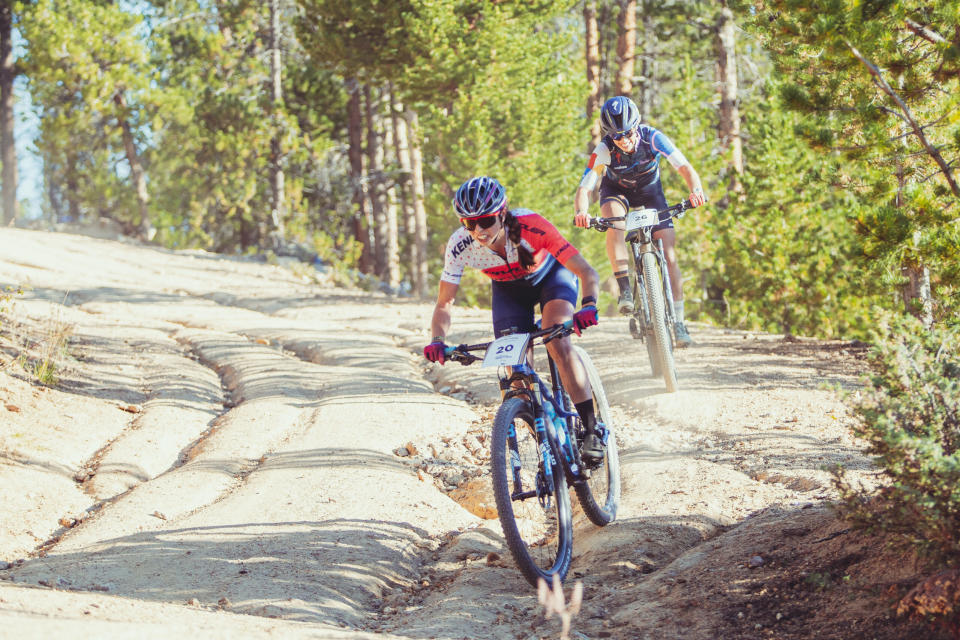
[
  {"x": 507, "y": 351},
  {"x": 641, "y": 218}
]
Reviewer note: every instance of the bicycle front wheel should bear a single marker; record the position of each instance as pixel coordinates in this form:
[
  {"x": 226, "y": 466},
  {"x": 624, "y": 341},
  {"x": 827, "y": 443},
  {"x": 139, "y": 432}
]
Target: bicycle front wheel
[
  {"x": 663, "y": 348},
  {"x": 537, "y": 522},
  {"x": 599, "y": 494},
  {"x": 638, "y": 324}
]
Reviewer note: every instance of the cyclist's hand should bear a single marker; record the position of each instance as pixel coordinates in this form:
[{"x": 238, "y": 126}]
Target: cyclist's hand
[
  {"x": 586, "y": 317},
  {"x": 697, "y": 198},
  {"x": 434, "y": 352},
  {"x": 582, "y": 220}
]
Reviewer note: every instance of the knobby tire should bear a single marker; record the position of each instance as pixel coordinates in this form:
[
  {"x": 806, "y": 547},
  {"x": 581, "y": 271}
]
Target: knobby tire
[
  {"x": 600, "y": 494},
  {"x": 661, "y": 333},
  {"x": 540, "y": 539}
]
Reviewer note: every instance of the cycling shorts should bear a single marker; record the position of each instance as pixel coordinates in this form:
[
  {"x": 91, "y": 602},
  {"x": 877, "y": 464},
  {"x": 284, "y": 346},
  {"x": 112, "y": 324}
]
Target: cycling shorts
[
  {"x": 514, "y": 301},
  {"x": 648, "y": 196}
]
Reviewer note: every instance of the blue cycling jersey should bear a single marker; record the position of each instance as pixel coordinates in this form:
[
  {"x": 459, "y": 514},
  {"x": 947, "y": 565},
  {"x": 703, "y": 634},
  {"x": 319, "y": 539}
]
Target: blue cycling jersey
[{"x": 629, "y": 170}]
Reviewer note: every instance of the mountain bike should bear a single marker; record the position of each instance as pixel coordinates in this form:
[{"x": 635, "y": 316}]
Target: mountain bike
[
  {"x": 654, "y": 319},
  {"x": 535, "y": 457}
]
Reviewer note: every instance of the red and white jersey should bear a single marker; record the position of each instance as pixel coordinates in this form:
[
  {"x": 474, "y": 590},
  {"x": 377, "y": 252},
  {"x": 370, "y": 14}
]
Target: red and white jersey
[{"x": 537, "y": 234}]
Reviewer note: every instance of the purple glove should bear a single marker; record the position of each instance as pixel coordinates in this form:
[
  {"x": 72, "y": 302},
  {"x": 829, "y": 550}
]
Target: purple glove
[
  {"x": 586, "y": 317},
  {"x": 434, "y": 351}
]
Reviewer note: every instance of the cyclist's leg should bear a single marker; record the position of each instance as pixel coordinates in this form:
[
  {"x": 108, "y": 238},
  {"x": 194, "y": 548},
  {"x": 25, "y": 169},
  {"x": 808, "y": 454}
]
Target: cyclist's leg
[
  {"x": 613, "y": 202},
  {"x": 572, "y": 373},
  {"x": 512, "y": 309},
  {"x": 616, "y": 249},
  {"x": 558, "y": 299}
]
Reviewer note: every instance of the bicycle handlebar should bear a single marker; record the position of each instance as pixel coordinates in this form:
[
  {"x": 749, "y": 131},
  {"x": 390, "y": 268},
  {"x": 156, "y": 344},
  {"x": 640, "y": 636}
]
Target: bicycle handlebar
[
  {"x": 461, "y": 353},
  {"x": 602, "y": 224}
]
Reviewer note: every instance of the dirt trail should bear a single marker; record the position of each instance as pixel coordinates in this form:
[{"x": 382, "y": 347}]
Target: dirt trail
[{"x": 228, "y": 453}]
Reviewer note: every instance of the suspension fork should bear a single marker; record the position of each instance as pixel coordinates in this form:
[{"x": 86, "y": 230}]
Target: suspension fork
[
  {"x": 543, "y": 444},
  {"x": 641, "y": 297},
  {"x": 667, "y": 289}
]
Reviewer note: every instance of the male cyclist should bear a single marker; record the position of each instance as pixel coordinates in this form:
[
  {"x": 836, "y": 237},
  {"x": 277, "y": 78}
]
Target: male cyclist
[
  {"x": 529, "y": 263},
  {"x": 626, "y": 163}
]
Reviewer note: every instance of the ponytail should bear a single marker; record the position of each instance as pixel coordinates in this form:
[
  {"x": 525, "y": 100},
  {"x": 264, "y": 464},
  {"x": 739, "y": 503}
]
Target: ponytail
[{"x": 513, "y": 232}]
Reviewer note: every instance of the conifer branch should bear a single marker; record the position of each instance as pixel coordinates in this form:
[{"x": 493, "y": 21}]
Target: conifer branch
[
  {"x": 917, "y": 129},
  {"x": 925, "y": 32}
]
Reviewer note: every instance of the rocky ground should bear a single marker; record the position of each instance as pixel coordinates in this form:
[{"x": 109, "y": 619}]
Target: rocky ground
[{"x": 232, "y": 449}]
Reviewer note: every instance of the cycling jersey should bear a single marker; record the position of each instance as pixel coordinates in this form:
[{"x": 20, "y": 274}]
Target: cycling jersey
[
  {"x": 628, "y": 170},
  {"x": 537, "y": 234}
]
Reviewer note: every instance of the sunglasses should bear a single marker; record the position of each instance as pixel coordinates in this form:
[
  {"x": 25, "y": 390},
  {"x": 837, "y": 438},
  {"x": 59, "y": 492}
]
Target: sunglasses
[
  {"x": 623, "y": 134},
  {"x": 484, "y": 223}
]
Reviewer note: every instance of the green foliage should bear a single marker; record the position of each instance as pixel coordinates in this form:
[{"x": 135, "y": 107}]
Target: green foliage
[
  {"x": 910, "y": 418},
  {"x": 518, "y": 122},
  {"x": 785, "y": 258},
  {"x": 82, "y": 56},
  {"x": 867, "y": 78}
]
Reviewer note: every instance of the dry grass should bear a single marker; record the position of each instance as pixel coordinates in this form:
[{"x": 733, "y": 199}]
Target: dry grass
[
  {"x": 42, "y": 357},
  {"x": 51, "y": 350}
]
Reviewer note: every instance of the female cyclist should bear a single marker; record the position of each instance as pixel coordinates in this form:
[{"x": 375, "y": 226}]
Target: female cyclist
[
  {"x": 626, "y": 163},
  {"x": 529, "y": 263}
]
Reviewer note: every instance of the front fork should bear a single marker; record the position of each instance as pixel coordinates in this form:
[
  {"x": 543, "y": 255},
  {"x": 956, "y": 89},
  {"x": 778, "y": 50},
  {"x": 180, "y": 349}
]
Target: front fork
[
  {"x": 667, "y": 289},
  {"x": 640, "y": 289}
]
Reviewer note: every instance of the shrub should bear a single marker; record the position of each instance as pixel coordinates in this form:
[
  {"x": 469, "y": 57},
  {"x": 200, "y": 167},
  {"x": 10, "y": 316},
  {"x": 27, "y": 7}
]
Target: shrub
[{"x": 910, "y": 418}]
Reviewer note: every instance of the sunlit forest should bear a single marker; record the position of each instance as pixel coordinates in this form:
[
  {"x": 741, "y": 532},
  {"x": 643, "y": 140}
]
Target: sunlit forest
[{"x": 826, "y": 135}]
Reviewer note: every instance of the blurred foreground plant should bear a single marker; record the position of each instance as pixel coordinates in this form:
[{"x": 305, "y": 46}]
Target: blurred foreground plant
[
  {"x": 910, "y": 417},
  {"x": 554, "y": 602}
]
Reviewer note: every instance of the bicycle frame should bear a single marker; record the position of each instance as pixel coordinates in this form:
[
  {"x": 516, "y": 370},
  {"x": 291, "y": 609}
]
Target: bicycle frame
[
  {"x": 548, "y": 436},
  {"x": 547, "y": 431}
]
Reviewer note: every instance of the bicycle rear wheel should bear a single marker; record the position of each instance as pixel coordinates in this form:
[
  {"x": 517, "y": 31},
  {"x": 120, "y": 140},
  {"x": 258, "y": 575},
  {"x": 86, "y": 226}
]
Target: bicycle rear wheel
[
  {"x": 663, "y": 347},
  {"x": 599, "y": 494},
  {"x": 536, "y": 522}
]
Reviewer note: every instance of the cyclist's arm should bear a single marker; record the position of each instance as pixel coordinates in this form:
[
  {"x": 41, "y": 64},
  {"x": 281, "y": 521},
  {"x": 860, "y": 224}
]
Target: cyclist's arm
[
  {"x": 440, "y": 324},
  {"x": 664, "y": 146},
  {"x": 589, "y": 280},
  {"x": 596, "y": 167},
  {"x": 692, "y": 179}
]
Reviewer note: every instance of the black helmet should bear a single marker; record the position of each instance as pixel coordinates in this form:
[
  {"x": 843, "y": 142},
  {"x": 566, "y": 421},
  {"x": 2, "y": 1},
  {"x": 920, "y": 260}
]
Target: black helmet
[
  {"x": 479, "y": 197},
  {"x": 619, "y": 115}
]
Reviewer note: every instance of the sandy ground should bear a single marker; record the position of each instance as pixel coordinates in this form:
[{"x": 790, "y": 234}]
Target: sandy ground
[{"x": 233, "y": 450}]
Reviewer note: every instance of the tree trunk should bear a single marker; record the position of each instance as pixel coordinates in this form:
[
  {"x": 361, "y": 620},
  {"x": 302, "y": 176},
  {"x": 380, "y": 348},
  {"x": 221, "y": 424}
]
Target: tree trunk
[
  {"x": 378, "y": 196},
  {"x": 277, "y": 209},
  {"x": 626, "y": 47},
  {"x": 402, "y": 149},
  {"x": 646, "y": 90},
  {"x": 917, "y": 295},
  {"x": 391, "y": 187},
  {"x": 73, "y": 205},
  {"x": 419, "y": 210},
  {"x": 361, "y": 225},
  {"x": 146, "y": 229},
  {"x": 592, "y": 42},
  {"x": 916, "y": 291},
  {"x": 729, "y": 124},
  {"x": 8, "y": 150}
]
